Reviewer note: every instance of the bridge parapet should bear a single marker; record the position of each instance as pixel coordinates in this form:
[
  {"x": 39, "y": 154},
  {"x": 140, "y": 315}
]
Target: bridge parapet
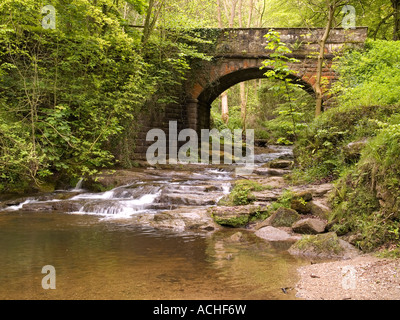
[{"x": 250, "y": 42}]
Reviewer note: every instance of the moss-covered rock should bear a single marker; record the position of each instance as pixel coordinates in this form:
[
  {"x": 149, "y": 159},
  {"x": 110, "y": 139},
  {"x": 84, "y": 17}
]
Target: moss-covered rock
[
  {"x": 352, "y": 151},
  {"x": 283, "y": 217},
  {"x": 301, "y": 202},
  {"x": 301, "y": 206},
  {"x": 303, "y": 196},
  {"x": 326, "y": 245},
  {"x": 237, "y": 216},
  {"x": 280, "y": 164},
  {"x": 241, "y": 193},
  {"x": 320, "y": 208}
]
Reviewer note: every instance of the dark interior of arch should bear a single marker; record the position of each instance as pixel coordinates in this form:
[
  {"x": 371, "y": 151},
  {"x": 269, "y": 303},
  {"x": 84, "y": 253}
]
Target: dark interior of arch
[{"x": 213, "y": 91}]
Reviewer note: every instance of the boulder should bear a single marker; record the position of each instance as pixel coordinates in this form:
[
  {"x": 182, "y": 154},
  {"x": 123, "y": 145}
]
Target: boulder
[
  {"x": 61, "y": 206},
  {"x": 301, "y": 206},
  {"x": 352, "y": 151},
  {"x": 304, "y": 195},
  {"x": 271, "y": 172},
  {"x": 188, "y": 199},
  {"x": 37, "y": 207},
  {"x": 273, "y": 234},
  {"x": 182, "y": 219},
  {"x": 281, "y": 164},
  {"x": 309, "y": 226},
  {"x": 283, "y": 217},
  {"x": 320, "y": 208},
  {"x": 301, "y": 202},
  {"x": 267, "y": 195},
  {"x": 272, "y": 182},
  {"x": 316, "y": 191},
  {"x": 237, "y": 216},
  {"x": 324, "y": 246},
  {"x": 321, "y": 190}
]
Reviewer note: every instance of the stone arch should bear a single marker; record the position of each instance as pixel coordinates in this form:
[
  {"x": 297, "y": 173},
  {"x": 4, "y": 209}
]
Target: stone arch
[
  {"x": 215, "y": 89},
  {"x": 222, "y": 76}
]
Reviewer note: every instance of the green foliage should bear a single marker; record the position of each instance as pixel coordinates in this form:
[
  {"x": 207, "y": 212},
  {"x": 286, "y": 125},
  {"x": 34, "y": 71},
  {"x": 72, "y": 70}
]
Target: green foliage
[
  {"x": 292, "y": 110},
  {"x": 365, "y": 201},
  {"x": 367, "y": 197},
  {"x": 66, "y": 94},
  {"x": 235, "y": 120},
  {"x": 72, "y": 97},
  {"x": 321, "y": 149},
  {"x": 284, "y": 201},
  {"x": 370, "y": 77},
  {"x": 241, "y": 193}
]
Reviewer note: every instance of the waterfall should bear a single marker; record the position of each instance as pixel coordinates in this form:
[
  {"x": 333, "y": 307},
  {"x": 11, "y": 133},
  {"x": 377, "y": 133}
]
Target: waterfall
[{"x": 78, "y": 186}]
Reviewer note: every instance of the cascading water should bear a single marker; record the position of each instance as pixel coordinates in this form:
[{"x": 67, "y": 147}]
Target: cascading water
[
  {"x": 78, "y": 186},
  {"x": 162, "y": 190},
  {"x": 121, "y": 202}
]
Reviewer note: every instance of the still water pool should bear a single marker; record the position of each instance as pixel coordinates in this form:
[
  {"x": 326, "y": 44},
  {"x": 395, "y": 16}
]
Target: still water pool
[{"x": 111, "y": 259}]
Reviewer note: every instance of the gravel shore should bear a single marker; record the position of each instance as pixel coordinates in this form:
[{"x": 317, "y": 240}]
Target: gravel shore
[{"x": 363, "y": 278}]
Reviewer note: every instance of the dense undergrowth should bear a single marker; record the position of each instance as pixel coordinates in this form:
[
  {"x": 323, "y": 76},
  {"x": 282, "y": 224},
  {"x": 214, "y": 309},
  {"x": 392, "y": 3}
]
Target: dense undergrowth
[{"x": 357, "y": 146}]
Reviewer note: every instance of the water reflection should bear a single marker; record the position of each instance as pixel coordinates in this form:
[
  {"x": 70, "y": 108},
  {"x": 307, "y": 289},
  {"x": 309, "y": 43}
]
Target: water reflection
[
  {"x": 99, "y": 253},
  {"x": 115, "y": 260}
]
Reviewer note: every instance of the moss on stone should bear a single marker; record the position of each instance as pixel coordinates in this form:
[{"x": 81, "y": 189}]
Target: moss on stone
[
  {"x": 235, "y": 216},
  {"x": 233, "y": 222},
  {"x": 284, "y": 217},
  {"x": 321, "y": 244}
]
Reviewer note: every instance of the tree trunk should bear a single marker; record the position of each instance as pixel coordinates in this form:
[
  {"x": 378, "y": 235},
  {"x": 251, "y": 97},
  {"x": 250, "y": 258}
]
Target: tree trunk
[
  {"x": 153, "y": 12},
  {"x": 243, "y": 102},
  {"x": 224, "y": 107},
  {"x": 147, "y": 22},
  {"x": 240, "y": 14},
  {"x": 226, "y": 9},
  {"x": 251, "y": 8},
  {"x": 233, "y": 13},
  {"x": 321, "y": 57},
  {"x": 243, "y": 105},
  {"x": 262, "y": 15},
  {"x": 219, "y": 14},
  {"x": 396, "y": 15}
]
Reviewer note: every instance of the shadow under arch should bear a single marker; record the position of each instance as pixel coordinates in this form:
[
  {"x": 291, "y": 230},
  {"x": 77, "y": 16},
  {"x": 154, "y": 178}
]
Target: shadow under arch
[{"x": 215, "y": 89}]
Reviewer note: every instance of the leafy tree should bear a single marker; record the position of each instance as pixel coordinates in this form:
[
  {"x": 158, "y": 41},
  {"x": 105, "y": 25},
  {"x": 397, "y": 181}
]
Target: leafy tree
[
  {"x": 278, "y": 68},
  {"x": 65, "y": 92}
]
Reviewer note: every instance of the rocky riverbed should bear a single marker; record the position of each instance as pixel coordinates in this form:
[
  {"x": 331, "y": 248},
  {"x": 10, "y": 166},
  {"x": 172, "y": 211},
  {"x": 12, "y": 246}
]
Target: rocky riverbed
[{"x": 187, "y": 199}]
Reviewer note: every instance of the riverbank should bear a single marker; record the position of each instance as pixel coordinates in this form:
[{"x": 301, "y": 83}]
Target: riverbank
[{"x": 363, "y": 278}]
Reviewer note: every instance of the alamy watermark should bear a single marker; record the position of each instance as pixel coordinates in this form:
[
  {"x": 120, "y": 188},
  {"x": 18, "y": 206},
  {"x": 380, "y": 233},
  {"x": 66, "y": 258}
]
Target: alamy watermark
[
  {"x": 349, "y": 20},
  {"x": 49, "y": 21},
  {"x": 237, "y": 150},
  {"x": 49, "y": 280},
  {"x": 349, "y": 278}
]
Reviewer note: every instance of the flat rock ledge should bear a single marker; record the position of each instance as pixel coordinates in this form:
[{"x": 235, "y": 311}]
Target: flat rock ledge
[
  {"x": 236, "y": 216},
  {"x": 274, "y": 234},
  {"x": 179, "y": 220}
]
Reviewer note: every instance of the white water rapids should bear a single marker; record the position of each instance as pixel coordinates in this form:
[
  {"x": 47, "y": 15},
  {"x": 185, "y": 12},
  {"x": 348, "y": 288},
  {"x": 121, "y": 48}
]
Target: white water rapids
[{"x": 201, "y": 188}]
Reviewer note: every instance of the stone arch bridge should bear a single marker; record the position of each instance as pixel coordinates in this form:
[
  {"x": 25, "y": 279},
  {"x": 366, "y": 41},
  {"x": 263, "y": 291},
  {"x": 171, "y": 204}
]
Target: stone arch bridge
[{"x": 237, "y": 57}]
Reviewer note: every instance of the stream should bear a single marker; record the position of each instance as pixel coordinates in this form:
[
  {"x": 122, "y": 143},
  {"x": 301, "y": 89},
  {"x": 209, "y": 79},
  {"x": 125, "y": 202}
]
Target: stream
[{"x": 102, "y": 245}]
